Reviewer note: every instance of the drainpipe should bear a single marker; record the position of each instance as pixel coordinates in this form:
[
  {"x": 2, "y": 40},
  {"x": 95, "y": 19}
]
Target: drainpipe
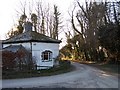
[
  {"x": 31, "y": 51},
  {"x": 30, "y": 57}
]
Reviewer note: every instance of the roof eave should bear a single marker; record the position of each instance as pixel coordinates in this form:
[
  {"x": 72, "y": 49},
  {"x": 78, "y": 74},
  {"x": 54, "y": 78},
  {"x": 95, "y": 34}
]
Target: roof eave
[{"x": 9, "y": 42}]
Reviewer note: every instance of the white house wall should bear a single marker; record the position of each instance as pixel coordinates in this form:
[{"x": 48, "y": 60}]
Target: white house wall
[{"x": 38, "y": 48}]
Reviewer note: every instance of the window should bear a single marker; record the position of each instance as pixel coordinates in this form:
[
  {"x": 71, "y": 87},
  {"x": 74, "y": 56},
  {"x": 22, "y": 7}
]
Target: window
[{"x": 46, "y": 55}]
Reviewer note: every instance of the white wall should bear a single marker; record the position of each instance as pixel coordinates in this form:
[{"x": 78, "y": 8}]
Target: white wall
[{"x": 37, "y": 49}]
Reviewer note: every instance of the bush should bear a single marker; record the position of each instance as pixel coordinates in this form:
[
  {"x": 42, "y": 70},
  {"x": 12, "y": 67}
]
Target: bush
[{"x": 8, "y": 60}]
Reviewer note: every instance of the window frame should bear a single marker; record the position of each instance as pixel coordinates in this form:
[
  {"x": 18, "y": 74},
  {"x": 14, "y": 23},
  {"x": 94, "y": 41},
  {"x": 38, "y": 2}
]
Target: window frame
[{"x": 47, "y": 54}]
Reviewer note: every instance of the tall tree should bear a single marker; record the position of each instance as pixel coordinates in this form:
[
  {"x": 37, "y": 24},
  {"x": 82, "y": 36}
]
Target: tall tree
[
  {"x": 56, "y": 22},
  {"x": 89, "y": 17},
  {"x": 18, "y": 28},
  {"x": 109, "y": 37},
  {"x": 34, "y": 20},
  {"x": 43, "y": 26},
  {"x": 44, "y": 20}
]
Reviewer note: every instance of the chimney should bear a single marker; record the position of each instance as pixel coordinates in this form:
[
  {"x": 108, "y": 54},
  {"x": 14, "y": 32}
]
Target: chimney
[{"x": 28, "y": 26}]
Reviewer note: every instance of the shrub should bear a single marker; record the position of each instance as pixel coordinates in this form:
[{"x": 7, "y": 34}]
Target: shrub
[{"x": 8, "y": 60}]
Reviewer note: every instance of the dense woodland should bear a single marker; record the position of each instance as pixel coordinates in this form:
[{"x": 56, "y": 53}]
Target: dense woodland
[{"x": 94, "y": 35}]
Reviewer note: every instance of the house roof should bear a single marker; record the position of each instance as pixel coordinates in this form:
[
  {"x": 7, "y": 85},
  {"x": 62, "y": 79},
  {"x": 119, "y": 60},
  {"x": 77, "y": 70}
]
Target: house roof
[
  {"x": 13, "y": 48},
  {"x": 31, "y": 36}
]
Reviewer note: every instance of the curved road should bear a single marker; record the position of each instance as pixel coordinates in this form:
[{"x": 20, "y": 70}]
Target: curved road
[{"x": 82, "y": 77}]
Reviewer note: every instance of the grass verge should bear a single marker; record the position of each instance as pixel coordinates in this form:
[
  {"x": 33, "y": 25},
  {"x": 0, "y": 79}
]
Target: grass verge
[
  {"x": 36, "y": 73},
  {"x": 109, "y": 68}
]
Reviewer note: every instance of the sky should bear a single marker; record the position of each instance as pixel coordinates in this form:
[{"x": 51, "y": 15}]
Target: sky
[
  {"x": 9, "y": 8},
  {"x": 8, "y": 12}
]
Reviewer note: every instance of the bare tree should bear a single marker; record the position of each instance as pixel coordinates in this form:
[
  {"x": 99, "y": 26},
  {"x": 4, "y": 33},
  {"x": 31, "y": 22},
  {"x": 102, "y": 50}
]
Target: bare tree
[
  {"x": 89, "y": 17},
  {"x": 45, "y": 20},
  {"x": 56, "y": 22},
  {"x": 34, "y": 21}
]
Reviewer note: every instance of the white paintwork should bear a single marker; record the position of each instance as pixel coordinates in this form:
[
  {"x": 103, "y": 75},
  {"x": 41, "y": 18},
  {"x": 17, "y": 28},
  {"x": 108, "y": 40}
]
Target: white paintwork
[{"x": 37, "y": 48}]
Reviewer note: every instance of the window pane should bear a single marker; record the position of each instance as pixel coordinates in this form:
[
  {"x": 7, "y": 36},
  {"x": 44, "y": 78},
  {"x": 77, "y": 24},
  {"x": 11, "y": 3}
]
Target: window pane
[{"x": 46, "y": 55}]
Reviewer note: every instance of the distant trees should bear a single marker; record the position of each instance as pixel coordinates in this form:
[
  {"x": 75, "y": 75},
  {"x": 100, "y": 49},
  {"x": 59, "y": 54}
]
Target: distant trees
[
  {"x": 95, "y": 26},
  {"x": 18, "y": 29},
  {"x": 56, "y": 22},
  {"x": 89, "y": 17},
  {"x": 34, "y": 21},
  {"x": 45, "y": 20},
  {"x": 109, "y": 37},
  {"x": 12, "y": 33}
]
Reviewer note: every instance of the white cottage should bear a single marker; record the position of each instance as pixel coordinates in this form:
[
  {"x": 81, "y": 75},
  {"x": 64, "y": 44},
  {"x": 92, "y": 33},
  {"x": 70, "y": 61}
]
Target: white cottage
[{"x": 43, "y": 48}]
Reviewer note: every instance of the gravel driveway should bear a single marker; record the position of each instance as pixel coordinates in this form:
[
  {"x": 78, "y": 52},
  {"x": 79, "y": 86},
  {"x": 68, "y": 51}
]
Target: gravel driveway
[{"x": 82, "y": 77}]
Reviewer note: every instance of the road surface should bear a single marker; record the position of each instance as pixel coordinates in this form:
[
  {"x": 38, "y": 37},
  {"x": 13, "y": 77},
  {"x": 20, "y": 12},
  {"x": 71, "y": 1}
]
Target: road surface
[{"x": 82, "y": 77}]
